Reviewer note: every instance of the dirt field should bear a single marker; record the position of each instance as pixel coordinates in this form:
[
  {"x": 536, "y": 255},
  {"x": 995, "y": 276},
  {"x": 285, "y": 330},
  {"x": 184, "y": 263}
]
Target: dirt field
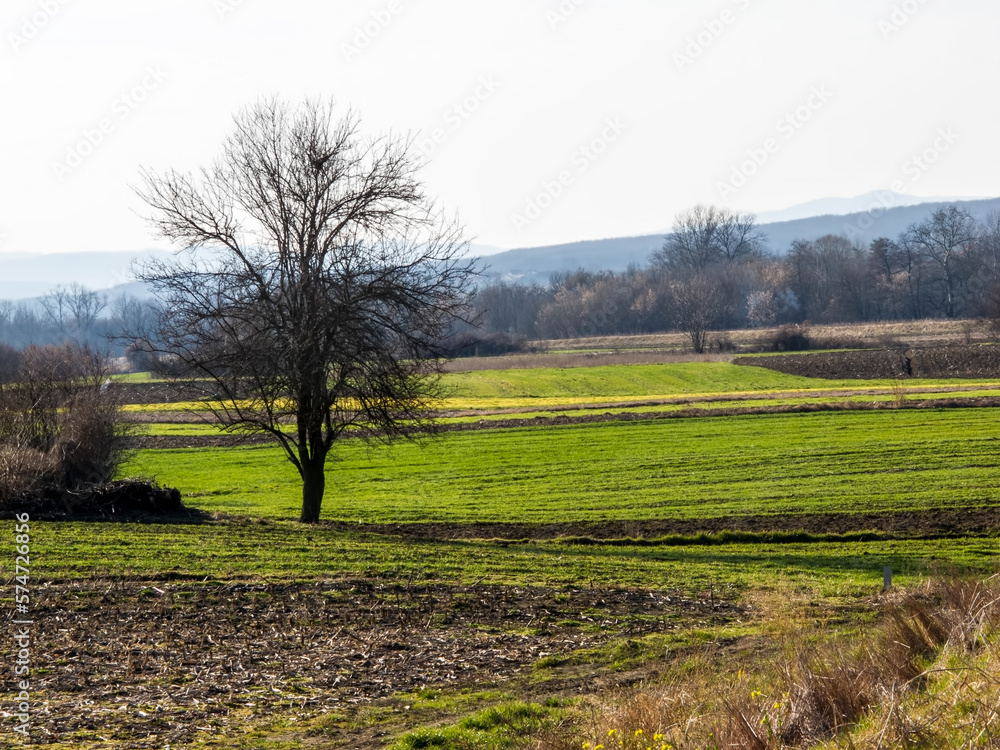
[
  {"x": 910, "y": 333},
  {"x": 909, "y": 525},
  {"x": 955, "y": 361},
  {"x": 144, "y": 664}
]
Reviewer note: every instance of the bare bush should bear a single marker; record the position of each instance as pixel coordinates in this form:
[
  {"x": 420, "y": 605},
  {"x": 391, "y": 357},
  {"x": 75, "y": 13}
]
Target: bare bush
[
  {"x": 790, "y": 338},
  {"x": 61, "y": 422}
]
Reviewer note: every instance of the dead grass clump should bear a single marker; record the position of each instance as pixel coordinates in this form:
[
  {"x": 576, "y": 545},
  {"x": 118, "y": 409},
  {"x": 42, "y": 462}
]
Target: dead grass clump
[
  {"x": 22, "y": 469},
  {"x": 827, "y": 693},
  {"x": 926, "y": 675}
]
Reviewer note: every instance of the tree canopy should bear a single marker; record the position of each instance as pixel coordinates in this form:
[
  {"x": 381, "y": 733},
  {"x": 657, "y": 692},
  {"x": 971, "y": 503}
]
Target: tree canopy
[{"x": 316, "y": 287}]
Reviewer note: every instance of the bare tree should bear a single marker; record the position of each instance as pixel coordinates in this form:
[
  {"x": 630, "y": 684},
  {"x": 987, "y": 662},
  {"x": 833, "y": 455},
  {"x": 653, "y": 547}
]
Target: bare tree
[
  {"x": 85, "y": 305},
  {"x": 738, "y": 237},
  {"x": 56, "y": 307},
  {"x": 699, "y": 303},
  {"x": 706, "y": 235},
  {"x": 130, "y": 312},
  {"x": 73, "y": 309},
  {"x": 948, "y": 239},
  {"x": 317, "y": 288},
  {"x": 26, "y": 324}
]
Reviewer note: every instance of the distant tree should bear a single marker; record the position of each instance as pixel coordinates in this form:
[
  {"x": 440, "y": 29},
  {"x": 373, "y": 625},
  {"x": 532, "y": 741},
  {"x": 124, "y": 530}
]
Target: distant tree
[
  {"x": 831, "y": 280},
  {"x": 510, "y": 308},
  {"x": 948, "y": 239},
  {"x": 705, "y": 235},
  {"x": 73, "y": 309},
  {"x": 27, "y": 326},
  {"x": 762, "y": 309},
  {"x": 318, "y": 287},
  {"x": 990, "y": 239},
  {"x": 699, "y": 303}
]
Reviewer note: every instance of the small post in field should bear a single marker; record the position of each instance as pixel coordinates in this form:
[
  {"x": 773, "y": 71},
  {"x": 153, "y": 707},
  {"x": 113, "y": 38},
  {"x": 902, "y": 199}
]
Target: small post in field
[{"x": 886, "y": 578}]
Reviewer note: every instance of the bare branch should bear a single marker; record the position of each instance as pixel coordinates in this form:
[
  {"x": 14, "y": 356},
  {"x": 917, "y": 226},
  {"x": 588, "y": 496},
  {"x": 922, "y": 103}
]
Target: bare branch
[{"x": 317, "y": 288}]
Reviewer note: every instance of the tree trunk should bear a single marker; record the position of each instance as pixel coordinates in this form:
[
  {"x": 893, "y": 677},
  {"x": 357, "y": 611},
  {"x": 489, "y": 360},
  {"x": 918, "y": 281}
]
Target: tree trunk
[{"x": 313, "y": 486}]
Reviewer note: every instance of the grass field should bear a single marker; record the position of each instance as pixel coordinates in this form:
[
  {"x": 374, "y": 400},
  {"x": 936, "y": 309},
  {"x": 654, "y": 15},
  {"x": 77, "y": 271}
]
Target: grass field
[
  {"x": 531, "y": 388},
  {"x": 365, "y": 624},
  {"x": 711, "y": 467}
]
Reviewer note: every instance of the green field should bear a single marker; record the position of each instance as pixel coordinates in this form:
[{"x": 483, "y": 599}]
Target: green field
[
  {"x": 631, "y": 381},
  {"x": 713, "y": 382},
  {"x": 839, "y": 462},
  {"x": 287, "y": 551}
]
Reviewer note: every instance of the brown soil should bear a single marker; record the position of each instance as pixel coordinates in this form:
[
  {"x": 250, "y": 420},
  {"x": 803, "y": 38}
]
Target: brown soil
[
  {"x": 142, "y": 665},
  {"x": 976, "y": 361},
  {"x": 909, "y": 524},
  {"x": 146, "y": 393}
]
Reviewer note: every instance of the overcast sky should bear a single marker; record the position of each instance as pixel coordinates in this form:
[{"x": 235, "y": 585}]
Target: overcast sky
[{"x": 542, "y": 121}]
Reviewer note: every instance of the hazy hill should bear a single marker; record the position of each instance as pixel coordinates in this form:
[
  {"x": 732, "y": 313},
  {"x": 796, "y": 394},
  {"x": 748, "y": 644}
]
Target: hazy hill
[
  {"x": 857, "y": 204},
  {"x": 536, "y": 264},
  {"x": 24, "y": 275}
]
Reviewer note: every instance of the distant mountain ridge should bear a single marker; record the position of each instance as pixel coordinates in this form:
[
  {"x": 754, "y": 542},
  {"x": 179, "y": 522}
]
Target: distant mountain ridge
[
  {"x": 869, "y": 202},
  {"x": 537, "y": 264},
  {"x": 23, "y": 275}
]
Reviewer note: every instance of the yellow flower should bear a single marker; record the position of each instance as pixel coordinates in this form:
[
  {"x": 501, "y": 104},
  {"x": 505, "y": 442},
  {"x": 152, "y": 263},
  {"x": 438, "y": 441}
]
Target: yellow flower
[
  {"x": 638, "y": 733},
  {"x": 611, "y": 732},
  {"x": 657, "y": 737}
]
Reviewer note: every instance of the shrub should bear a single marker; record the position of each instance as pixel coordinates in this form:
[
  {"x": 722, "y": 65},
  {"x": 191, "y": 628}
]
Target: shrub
[
  {"x": 790, "y": 338},
  {"x": 62, "y": 428}
]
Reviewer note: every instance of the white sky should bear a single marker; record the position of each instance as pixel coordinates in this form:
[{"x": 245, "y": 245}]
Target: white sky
[{"x": 542, "y": 83}]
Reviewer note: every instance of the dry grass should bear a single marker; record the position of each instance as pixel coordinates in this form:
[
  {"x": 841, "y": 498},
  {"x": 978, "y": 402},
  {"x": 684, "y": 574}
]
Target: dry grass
[
  {"x": 926, "y": 675},
  {"x": 22, "y": 469},
  {"x": 933, "y": 332}
]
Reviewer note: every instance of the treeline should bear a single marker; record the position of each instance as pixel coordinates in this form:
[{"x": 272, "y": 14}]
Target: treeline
[
  {"x": 72, "y": 313},
  {"x": 713, "y": 273}
]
